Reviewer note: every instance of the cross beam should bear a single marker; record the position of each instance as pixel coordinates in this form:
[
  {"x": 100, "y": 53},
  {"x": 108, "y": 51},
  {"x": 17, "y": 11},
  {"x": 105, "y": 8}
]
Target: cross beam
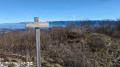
[{"x": 36, "y": 24}]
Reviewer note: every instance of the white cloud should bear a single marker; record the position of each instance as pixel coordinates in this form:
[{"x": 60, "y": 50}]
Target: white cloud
[
  {"x": 74, "y": 16},
  {"x": 98, "y": 19}
]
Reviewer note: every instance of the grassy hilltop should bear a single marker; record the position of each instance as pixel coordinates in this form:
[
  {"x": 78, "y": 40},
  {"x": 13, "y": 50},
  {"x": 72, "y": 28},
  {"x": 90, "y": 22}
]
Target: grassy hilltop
[{"x": 75, "y": 45}]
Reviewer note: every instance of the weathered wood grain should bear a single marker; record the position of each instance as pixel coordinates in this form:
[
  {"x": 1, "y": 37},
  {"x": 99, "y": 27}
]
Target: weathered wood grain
[
  {"x": 35, "y": 24},
  {"x": 37, "y": 31}
]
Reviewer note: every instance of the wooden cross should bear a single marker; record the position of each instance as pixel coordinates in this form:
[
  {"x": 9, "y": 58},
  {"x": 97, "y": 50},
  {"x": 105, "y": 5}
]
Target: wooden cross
[{"x": 36, "y": 24}]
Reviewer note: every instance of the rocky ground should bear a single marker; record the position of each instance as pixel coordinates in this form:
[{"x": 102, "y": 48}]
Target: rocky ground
[{"x": 8, "y": 62}]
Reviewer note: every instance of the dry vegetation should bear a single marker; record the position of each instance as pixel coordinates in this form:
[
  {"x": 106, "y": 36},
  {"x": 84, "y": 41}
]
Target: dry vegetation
[{"x": 76, "y": 45}]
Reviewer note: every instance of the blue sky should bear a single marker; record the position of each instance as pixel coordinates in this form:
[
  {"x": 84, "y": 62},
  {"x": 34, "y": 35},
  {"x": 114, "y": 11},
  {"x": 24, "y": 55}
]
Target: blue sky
[{"x": 12, "y": 11}]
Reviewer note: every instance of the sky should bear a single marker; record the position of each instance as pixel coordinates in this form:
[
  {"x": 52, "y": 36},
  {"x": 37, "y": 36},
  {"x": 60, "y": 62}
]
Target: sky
[{"x": 13, "y": 11}]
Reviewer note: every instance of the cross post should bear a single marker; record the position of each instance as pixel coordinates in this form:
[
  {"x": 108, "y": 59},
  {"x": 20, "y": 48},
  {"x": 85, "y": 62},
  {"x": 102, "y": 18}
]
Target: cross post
[
  {"x": 37, "y": 32},
  {"x": 36, "y": 24}
]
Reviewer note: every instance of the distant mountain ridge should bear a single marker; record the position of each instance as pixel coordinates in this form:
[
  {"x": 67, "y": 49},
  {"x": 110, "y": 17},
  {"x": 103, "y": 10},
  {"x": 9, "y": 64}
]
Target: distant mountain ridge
[{"x": 21, "y": 25}]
